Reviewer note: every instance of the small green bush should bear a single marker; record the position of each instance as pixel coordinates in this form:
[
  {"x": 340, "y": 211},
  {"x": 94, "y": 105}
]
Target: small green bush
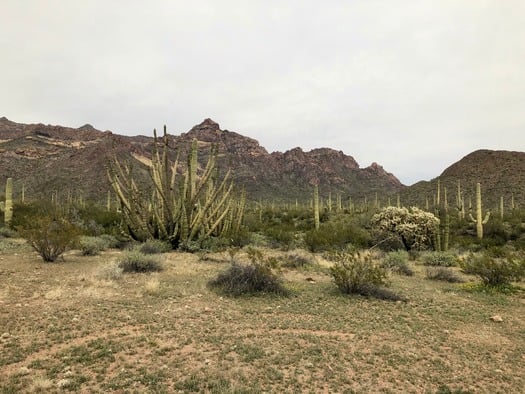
[
  {"x": 294, "y": 260},
  {"x": 282, "y": 238},
  {"x": 6, "y": 232},
  {"x": 91, "y": 246},
  {"x": 440, "y": 259},
  {"x": 445, "y": 274},
  {"x": 397, "y": 261},
  {"x": 248, "y": 279},
  {"x": 135, "y": 261},
  {"x": 495, "y": 271},
  {"x": 8, "y": 244},
  {"x": 241, "y": 279},
  {"x": 154, "y": 246},
  {"x": 360, "y": 273},
  {"x": 111, "y": 241},
  {"x": 49, "y": 236},
  {"x": 336, "y": 236}
]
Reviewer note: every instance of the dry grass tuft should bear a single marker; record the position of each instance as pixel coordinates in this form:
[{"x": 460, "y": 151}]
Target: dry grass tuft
[
  {"x": 109, "y": 271},
  {"x": 55, "y": 294},
  {"x": 41, "y": 384},
  {"x": 152, "y": 286}
]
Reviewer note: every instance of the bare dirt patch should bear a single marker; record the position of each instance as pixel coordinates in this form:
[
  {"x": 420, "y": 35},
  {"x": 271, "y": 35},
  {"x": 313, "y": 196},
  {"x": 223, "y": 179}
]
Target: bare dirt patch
[{"x": 64, "y": 328}]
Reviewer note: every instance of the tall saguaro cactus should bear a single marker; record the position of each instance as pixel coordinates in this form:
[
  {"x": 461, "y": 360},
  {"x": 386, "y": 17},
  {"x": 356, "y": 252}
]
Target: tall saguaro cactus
[
  {"x": 460, "y": 202},
  {"x": 194, "y": 207},
  {"x": 479, "y": 221},
  {"x": 8, "y": 214},
  {"x": 316, "y": 207}
]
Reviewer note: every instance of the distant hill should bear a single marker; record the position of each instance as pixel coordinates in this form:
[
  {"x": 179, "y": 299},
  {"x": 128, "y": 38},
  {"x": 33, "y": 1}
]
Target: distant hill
[
  {"x": 501, "y": 174},
  {"x": 72, "y": 162}
]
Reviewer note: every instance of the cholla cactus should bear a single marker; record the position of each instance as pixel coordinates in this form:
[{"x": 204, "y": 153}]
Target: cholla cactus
[{"x": 414, "y": 226}]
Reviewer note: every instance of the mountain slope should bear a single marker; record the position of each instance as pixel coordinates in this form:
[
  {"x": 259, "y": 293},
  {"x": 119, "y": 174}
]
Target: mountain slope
[
  {"x": 501, "y": 174},
  {"x": 49, "y": 159}
]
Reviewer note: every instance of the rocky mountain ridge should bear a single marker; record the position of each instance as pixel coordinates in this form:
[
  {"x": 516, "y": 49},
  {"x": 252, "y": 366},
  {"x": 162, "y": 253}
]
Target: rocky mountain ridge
[{"x": 47, "y": 159}]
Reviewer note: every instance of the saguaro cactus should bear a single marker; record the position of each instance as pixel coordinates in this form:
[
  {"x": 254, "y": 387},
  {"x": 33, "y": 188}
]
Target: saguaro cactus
[
  {"x": 460, "y": 203},
  {"x": 479, "y": 221},
  {"x": 316, "y": 207},
  {"x": 8, "y": 214}
]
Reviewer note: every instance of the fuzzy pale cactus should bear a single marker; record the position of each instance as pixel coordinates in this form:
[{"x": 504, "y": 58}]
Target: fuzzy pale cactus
[{"x": 415, "y": 227}]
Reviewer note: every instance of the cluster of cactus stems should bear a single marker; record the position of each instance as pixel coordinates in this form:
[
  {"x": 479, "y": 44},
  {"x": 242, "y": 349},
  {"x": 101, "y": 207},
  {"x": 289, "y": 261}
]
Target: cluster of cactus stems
[
  {"x": 197, "y": 206},
  {"x": 479, "y": 220}
]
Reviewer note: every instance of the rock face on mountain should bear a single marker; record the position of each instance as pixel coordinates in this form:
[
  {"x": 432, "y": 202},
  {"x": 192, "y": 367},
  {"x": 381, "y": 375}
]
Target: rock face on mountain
[
  {"x": 292, "y": 174},
  {"x": 49, "y": 159},
  {"x": 501, "y": 174}
]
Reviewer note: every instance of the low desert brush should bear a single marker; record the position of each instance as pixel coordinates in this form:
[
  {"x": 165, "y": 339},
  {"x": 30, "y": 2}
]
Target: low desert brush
[
  {"x": 135, "y": 261},
  {"x": 49, "y": 236},
  {"x": 439, "y": 259},
  {"x": 445, "y": 274},
  {"x": 154, "y": 246},
  {"x": 495, "y": 271},
  {"x": 92, "y": 246},
  {"x": 259, "y": 276},
  {"x": 360, "y": 273},
  {"x": 397, "y": 261}
]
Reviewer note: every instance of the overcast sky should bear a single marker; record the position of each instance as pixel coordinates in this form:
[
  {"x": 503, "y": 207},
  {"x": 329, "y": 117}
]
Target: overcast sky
[{"x": 411, "y": 84}]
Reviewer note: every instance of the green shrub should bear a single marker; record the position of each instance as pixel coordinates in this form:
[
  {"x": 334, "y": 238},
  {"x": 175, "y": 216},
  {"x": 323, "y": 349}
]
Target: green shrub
[
  {"x": 49, "y": 236},
  {"x": 397, "y": 261},
  {"x": 445, "y": 274},
  {"x": 495, "y": 271},
  {"x": 135, "y": 261},
  {"x": 441, "y": 259},
  {"x": 336, "y": 236},
  {"x": 6, "y": 232},
  {"x": 91, "y": 246},
  {"x": 240, "y": 279},
  {"x": 154, "y": 246},
  {"x": 360, "y": 273},
  {"x": 246, "y": 279},
  {"x": 296, "y": 260},
  {"x": 111, "y": 241},
  {"x": 280, "y": 238},
  {"x": 8, "y": 244}
]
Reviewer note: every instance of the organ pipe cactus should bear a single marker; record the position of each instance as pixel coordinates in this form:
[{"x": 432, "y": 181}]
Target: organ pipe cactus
[
  {"x": 479, "y": 220},
  {"x": 181, "y": 207}
]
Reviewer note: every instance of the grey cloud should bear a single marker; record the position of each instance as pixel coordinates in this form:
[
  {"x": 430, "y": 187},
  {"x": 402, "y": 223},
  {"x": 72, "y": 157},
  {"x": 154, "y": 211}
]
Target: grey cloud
[{"x": 411, "y": 85}]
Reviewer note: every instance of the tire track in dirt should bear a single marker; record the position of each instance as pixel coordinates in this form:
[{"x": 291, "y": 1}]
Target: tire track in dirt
[{"x": 128, "y": 330}]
